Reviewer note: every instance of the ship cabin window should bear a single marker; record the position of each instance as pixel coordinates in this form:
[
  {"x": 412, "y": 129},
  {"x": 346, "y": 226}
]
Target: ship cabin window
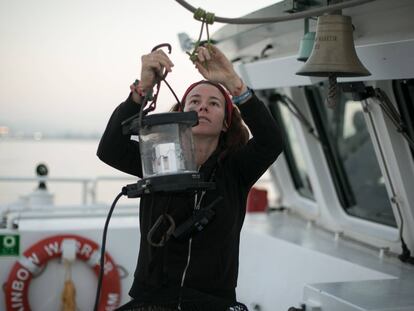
[
  {"x": 350, "y": 155},
  {"x": 404, "y": 93},
  {"x": 292, "y": 151}
]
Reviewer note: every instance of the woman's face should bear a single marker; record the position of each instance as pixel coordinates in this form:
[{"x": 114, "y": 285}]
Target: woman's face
[{"x": 209, "y": 103}]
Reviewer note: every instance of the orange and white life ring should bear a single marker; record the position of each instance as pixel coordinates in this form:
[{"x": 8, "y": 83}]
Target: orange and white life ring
[{"x": 35, "y": 257}]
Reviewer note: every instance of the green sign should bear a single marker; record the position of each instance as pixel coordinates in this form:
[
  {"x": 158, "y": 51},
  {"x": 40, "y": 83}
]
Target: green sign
[{"x": 9, "y": 245}]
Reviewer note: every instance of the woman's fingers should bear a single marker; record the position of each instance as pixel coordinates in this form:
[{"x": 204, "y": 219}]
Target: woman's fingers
[
  {"x": 157, "y": 60},
  {"x": 158, "y": 66},
  {"x": 202, "y": 70},
  {"x": 213, "y": 65},
  {"x": 163, "y": 59},
  {"x": 153, "y": 66},
  {"x": 203, "y": 54}
]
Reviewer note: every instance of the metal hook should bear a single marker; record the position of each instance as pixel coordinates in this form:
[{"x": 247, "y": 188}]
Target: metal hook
[
  {"x": 159, "y": 46},
  {"x": 162, "y": 45},
  {"x": 153, "y": 104}
]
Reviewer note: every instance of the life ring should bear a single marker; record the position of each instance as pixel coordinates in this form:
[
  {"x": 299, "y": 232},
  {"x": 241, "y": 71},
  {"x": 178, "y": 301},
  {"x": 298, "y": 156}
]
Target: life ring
[{"x": 35, "y": 257}]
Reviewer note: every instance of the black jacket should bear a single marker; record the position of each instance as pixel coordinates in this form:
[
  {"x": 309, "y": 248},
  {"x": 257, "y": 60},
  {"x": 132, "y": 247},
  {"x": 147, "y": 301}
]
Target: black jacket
[{"x": 214, "y": 262}]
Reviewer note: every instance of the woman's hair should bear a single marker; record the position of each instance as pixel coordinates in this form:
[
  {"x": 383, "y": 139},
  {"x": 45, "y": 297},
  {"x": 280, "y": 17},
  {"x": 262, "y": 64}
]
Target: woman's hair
[{"x": 236, "y": 135}]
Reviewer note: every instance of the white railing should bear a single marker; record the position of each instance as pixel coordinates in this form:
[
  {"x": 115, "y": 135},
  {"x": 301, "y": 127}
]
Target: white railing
[{"x": 89, "y": 185}]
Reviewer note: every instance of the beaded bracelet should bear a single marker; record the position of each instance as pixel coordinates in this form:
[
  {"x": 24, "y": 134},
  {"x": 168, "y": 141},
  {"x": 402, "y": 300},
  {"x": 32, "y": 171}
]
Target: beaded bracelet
[{"x": 137, "y": 88}]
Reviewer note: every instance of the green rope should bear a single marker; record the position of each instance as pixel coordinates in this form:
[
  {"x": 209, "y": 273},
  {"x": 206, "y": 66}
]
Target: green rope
[
  {"x": 193, "y": 54},
  {"x": 199, "y": 14},
  {"x": 203, "y": 16},
  {"x": 207, "y": 19}
]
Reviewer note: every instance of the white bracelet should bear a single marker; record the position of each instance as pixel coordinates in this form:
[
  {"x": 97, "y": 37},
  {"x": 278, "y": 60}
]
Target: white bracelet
[{"x": 242, "y": 97}]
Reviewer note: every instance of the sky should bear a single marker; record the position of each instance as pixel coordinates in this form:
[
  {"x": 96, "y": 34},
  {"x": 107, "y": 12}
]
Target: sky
[{"x": 65, "y": 65}]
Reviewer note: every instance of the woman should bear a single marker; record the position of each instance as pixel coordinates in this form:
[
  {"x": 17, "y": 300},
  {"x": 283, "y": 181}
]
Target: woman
[{"x": 199, "y": 271}]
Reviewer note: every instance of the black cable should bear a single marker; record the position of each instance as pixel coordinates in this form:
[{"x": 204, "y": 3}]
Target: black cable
[
  {"x": 393, "y": 115},
  {"x": 175, "y": 95},
  {"x": 102, "y": 259},
  {"x": 299, "y": 15},
  {"x": 405, "y": 256},
  {"x": 297, "y": 113}
]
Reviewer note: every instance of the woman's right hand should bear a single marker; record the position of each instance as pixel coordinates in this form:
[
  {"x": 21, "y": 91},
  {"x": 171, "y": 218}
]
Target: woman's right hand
[{"x": 152, "y": 69}]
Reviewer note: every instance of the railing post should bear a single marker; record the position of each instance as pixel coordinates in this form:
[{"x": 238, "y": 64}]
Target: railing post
[
  {"x": 93, "y": 190},
  {"x": 84, "y": 191}
]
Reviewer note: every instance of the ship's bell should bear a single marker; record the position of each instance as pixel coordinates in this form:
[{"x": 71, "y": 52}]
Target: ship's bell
[{"x": 333, "y": 52}]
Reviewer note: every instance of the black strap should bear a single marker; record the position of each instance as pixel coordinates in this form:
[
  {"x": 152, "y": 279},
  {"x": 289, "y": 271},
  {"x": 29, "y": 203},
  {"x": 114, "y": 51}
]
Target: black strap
[{"x": 198, "y": 221}]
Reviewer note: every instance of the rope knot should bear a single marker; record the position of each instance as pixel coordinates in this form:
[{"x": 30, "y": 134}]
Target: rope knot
[
  {"x": 203, "y": 16},
  {"x": 332, "y": 98}
]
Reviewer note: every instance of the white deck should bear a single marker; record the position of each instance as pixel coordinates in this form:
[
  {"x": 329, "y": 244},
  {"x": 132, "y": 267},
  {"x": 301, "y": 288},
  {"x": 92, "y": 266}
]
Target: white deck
[{"x": 285, "y": 261}]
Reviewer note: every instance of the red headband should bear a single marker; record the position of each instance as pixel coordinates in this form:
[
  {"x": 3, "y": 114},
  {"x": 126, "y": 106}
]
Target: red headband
[{"x": 229, "y": 103}]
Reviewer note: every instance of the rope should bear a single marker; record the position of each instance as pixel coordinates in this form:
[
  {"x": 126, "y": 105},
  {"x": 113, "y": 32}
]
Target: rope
[
  {"x": 193, "y": 54},
  {"x": 206, "y": 18},
  {"x": 69, "y": 290},
  {"x": 299, "y": 15},
  {"x": 332, "y": 98},
  {"x": 203, "y": 16}
]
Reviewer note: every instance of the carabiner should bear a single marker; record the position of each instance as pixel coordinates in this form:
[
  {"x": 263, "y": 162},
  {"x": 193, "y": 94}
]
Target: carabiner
[{"x": 166, "y": 235}]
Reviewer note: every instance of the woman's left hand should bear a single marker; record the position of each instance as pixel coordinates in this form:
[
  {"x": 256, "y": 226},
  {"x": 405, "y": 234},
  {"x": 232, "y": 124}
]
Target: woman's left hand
[{"x": 214, "y": 66}]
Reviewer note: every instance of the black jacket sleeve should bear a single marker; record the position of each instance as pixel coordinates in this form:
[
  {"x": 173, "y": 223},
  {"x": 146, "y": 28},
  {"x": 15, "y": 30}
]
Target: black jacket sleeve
[
  {"x": 263, "y": 148},
  {"x": 116, "y": 149}
]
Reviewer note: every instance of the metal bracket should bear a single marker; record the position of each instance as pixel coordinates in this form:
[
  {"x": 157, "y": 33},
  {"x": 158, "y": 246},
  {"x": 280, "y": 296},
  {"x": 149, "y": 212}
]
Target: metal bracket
[{"x": 293, "y": 6}]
